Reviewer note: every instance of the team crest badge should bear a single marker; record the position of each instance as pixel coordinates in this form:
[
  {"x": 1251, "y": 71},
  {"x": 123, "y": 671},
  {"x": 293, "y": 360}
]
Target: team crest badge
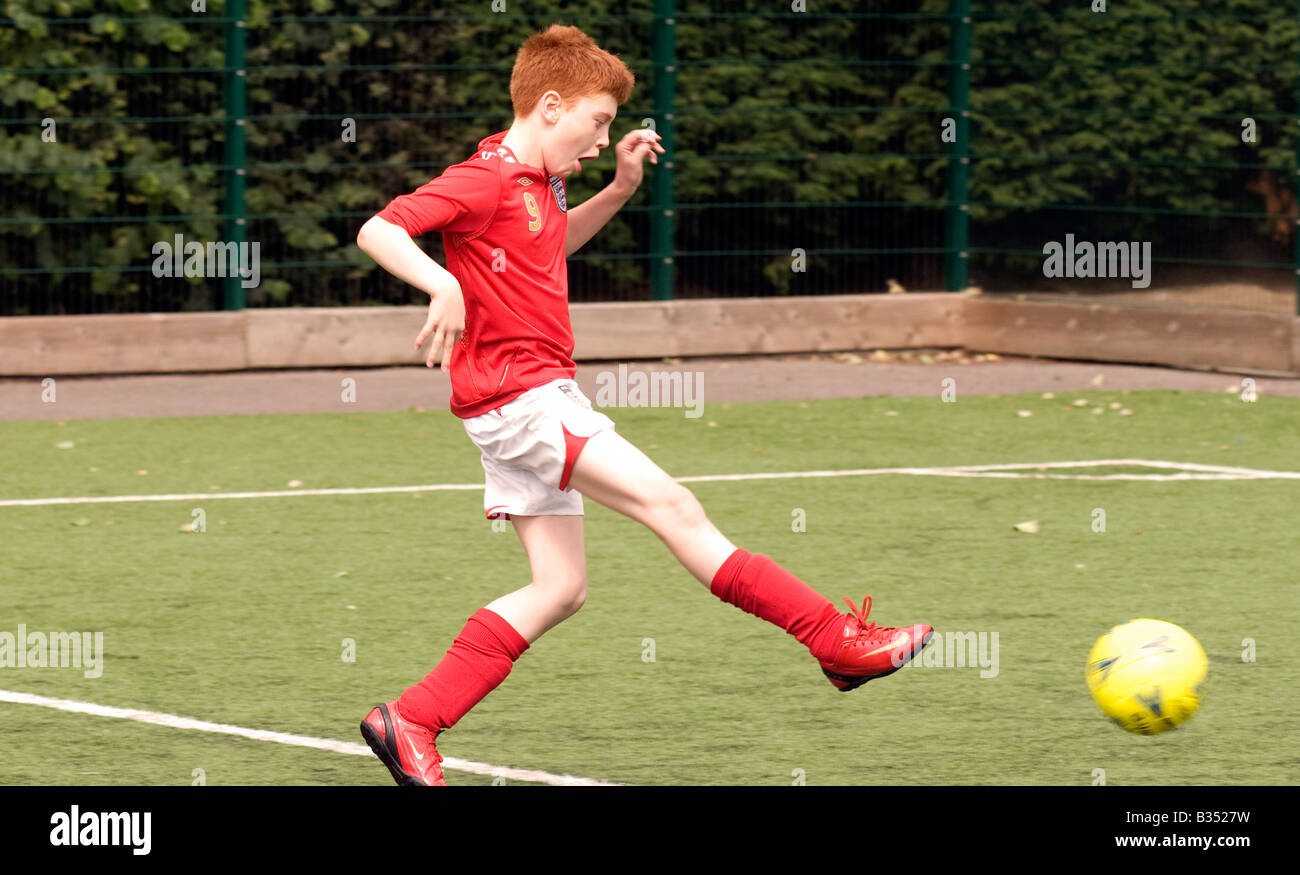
[{"x": 557, "y": 186}]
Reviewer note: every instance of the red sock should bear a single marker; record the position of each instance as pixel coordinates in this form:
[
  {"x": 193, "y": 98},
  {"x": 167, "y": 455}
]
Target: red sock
[
  {"x": 757, "y": 585},
  {"x": 477, "y": 662}
]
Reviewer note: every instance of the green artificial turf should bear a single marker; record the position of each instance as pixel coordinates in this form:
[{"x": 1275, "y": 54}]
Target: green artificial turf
[{"x": 247, "y": 622}]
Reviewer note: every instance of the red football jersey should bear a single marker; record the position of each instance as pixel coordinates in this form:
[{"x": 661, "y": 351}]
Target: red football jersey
[{"x": 503, "y": 225}]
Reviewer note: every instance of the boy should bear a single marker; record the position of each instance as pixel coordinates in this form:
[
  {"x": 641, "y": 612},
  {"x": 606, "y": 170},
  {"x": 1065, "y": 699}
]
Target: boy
[{"x": 507, "y": 346}]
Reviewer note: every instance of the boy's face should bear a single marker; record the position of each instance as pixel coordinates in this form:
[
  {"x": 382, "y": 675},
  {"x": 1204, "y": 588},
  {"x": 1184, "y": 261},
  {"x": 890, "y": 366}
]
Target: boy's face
[{"x": 580, "y": 131}]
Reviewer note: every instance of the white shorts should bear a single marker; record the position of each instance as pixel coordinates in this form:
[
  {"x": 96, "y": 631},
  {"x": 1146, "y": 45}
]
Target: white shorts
[{"x": 529, "y": 446}]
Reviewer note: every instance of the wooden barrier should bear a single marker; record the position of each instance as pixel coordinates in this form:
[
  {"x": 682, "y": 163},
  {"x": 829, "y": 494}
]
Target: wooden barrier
[
  {"x": 740, "y": 326},
  {"x": 1226, "y": 340},
  {"x": 121, "y": 344},
  {"x": 1200, "y": 339},
  {"x": 1295, "y": 346},
  {"x": 326, "y": 337}
]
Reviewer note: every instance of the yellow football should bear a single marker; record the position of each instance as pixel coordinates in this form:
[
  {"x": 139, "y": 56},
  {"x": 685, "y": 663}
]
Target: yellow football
[{"x": 1147, "y": 675}]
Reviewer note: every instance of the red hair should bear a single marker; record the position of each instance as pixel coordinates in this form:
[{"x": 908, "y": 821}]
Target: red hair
[{"x": 566, "y": 60}]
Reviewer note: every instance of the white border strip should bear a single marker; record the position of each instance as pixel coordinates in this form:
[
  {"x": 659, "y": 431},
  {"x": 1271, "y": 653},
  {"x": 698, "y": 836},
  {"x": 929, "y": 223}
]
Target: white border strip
[
  {"x": 195, "y": 496},
  {"x": 1017, "y": 470},
  {"x": 172, "y": 721},
  {"x": 1036, "y": 470}
]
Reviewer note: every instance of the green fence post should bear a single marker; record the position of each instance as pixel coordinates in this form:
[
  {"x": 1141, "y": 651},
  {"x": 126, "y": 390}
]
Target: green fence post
[
  {"x": 956, "y": 231},
  {"x": 664, "y": 52},
  {"x": 234, "y": 83}
]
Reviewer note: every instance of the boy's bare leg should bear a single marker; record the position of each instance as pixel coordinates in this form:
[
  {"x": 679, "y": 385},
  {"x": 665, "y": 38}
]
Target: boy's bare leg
[
  {"x": 402, "y": 733},
  {"x": 851, "y": 650},
  {"x": 558, "y": 560},
  {"x": 615, "y": 473},
  {"x": 612, "y": 471}
]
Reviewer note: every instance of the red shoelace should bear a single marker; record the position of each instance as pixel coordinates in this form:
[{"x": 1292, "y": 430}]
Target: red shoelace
[
  {"x": 870, "y": 632},
  {"x": 433, "y": 738}
]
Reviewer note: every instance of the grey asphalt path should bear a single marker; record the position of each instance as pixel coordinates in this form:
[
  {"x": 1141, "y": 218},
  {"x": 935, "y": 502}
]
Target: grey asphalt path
[{"x": 727, "y": 379}]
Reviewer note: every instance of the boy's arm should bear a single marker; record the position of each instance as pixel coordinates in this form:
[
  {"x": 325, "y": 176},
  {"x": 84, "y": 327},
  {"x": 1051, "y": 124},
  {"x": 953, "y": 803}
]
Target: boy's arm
[
  {"x": 591, "y": 215},
  {"x": 461, "y": 199},
  {"x": 394, "y": 250}
]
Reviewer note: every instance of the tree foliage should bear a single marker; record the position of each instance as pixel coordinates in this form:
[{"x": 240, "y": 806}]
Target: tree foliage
[{"x": 816, "y": 131}]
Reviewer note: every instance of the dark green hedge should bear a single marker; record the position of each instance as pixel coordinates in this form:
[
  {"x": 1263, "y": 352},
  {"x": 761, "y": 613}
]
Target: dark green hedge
[{"x": 816, "y": 131}]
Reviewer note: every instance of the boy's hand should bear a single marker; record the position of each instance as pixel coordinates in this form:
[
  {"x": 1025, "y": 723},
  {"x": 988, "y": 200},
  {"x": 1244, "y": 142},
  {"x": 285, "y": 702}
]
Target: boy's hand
[
  {"x": 446, "y": 323},
  {"x": 630, "y": 150}
]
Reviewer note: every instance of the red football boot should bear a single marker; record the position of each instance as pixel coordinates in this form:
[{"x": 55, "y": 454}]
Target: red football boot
[
  {"x": 869, "y": 651},
  {"x": 407, "y": 748}
]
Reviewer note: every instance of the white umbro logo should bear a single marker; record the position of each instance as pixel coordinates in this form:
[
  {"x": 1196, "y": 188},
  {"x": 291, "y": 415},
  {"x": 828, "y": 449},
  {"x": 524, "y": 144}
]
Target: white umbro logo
[{"x": 573, "y": 396}]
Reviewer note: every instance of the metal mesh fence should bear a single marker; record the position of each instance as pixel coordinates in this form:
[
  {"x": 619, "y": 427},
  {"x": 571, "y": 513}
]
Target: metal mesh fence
[{"x": 922, "y": 144}]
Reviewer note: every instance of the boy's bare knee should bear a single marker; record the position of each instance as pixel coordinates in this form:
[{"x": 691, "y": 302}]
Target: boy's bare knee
[
  {"x": 573, "y": 601},
  {"x": 680, "y": 508},
  {"x": 567, "y": 596}
]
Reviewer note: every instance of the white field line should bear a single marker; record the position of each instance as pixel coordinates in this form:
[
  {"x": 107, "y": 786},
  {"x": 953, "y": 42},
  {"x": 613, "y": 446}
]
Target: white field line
[
  {"x": 1187, "y": 471},
  {"x": 172, "y": 721},
  {"x": 195, "y": 496},
  {"x": 1018, "y": 470}
]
